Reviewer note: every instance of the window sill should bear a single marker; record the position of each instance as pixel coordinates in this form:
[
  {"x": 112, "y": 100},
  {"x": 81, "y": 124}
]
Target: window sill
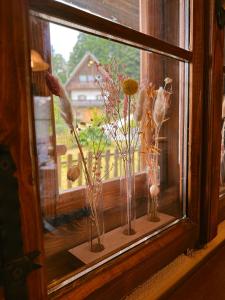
[
  {"x": 178, "y": 271},
  {"x": 126, "y": 272}
]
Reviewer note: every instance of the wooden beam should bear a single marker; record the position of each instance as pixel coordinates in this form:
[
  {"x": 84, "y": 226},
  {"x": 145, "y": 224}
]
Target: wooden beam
[
  {"x": 75, "y": 18},
  {"x": 212, "y": 109},
  {"x": 195, "y": 111}
]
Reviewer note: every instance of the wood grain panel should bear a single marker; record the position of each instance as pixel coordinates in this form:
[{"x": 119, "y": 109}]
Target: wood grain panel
[
  {"x": 15, "y": 127},
  {"x": 2, "y": 294},
  {"x": 211, "y": 149},
  {"x": 155, "y": 20},
  {"x": 195, "y": 111},
  {"x": 125, "y": 12},
  {"x": 207, "y": 282}
]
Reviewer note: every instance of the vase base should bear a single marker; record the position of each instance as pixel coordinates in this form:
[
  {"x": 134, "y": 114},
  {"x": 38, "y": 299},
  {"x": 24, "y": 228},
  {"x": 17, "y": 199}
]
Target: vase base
[
  {"x": 129, "y": 231},
  {"x": 97, "y": 248},
  {"x": 154, "y": 219}
]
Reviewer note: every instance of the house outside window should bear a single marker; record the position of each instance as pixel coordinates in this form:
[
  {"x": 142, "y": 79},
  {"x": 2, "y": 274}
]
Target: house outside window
[
  {"x": 83, "y": 78},
  {"x": 90, "y": 78},
  {"x": 81, "y": 97}
]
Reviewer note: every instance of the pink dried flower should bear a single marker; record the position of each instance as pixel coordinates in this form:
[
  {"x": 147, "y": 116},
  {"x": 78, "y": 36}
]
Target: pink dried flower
[{"x": 120, "y": 77}]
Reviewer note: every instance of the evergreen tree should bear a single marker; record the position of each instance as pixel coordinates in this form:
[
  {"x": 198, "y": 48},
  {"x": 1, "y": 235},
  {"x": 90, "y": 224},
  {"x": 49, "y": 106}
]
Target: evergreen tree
[
  {"x": 105, "y": 50},
  {"x": 59, "y": 66}
]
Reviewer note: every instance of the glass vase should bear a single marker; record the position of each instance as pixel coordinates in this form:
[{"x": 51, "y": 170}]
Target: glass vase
[
  {"x": 153, "y": 182},
  {"x": 127, "y": 194},
  {"x": 95, "y": 220}
]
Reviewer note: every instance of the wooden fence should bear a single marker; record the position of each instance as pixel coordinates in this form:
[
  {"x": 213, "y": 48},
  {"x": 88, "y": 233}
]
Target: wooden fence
[{"x": 110, "y": 163}]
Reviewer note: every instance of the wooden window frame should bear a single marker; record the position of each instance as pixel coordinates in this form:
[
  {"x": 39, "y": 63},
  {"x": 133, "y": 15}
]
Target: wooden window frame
[
  {"x": 221, "y": 215},
  {"x": 120, "y": 276},
  {"x": 212, "y": 204}
]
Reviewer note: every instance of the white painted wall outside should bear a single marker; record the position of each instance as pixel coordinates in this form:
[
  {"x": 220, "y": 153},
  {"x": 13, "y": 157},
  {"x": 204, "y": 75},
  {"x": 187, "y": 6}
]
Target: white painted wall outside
[{"x": 90, "y": 95}]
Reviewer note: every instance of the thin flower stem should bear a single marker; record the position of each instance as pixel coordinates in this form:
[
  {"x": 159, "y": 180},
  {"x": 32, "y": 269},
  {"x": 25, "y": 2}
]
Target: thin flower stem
[{"x": 82, "y": 157}]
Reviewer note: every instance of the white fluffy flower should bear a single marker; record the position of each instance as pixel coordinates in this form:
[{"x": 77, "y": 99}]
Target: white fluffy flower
[
  {"x": 140, "y": 105},
  {"x": 154, "y": 190},
  {"x": 168, "y": 80},
  {"x": 161, "y": 106}
]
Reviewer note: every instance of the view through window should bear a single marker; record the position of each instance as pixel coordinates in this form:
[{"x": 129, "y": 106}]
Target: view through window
[{"x": 111, "y": 135}]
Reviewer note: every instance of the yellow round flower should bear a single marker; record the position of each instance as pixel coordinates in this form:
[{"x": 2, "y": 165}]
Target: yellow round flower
[{"x": 130, "y": 86}]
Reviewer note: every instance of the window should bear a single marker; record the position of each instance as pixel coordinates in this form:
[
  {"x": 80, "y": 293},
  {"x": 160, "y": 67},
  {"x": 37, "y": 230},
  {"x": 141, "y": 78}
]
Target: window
[
  {"x": 175, "y": 171},
  {"x": 83, "y": 78},
  {"x": 132, "y": 13},
  {"x": 90, "y": 78},
  {"x": 103, "y": 138},
  {"x": 157, "y": 195},
  {"x": 81, "y": 97}
]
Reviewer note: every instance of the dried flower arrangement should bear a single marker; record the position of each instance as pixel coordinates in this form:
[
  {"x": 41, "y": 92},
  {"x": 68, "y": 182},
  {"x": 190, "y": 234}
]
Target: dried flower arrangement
[
  {"x": 118, "y": 93},
  {"x": 151, "y": 112},
  {"x": 93, "y": 177},
  {"x": 125, "y": 114}
]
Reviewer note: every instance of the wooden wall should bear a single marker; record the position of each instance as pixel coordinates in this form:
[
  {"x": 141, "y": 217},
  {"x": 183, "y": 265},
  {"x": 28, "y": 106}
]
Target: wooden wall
[
  {"x": 160, "y": 19},
  {"x": 16, "y": 128},
  {"x": 125, "y": 12}
]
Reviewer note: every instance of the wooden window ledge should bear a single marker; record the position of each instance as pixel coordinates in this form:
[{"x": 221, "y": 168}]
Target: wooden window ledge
[{"x": 164, "y": 282}]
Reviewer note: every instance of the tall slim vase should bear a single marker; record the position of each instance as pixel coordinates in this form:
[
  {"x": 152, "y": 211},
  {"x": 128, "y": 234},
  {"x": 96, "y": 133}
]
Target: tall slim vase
[
  {"x": 153, "y": 181},
  {"x": 127, "y": 194},
  {"x": 94, "y": 201}
]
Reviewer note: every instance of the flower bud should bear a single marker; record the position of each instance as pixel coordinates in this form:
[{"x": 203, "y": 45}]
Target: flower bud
[{"x": 154, "y": 190}]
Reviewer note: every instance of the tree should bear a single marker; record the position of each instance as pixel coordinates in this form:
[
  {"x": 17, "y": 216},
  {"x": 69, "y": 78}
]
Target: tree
[
  {"x": 59, "y": 66},
  {"x": 92, "y": 136},
  {"x": 104, "y": 50}
]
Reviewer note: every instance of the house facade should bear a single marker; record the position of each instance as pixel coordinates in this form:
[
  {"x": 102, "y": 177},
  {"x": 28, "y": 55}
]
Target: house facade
[{"x": 83, "y": 89}]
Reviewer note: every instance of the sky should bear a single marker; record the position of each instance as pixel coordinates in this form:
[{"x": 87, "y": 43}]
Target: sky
[{"x": 63, "y": 39}]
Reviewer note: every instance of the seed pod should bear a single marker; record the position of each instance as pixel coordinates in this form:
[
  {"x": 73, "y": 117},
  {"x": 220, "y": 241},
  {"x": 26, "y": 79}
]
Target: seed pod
[
  {"x": 168, "y": 80},
  {"x": 161, "y": 106},
  {"x": 140, "y": 105},
  {"x": 223, "y": 108},
  {"x": 130, "y": 86},
  {"x": 154, "y": 190},
  {"x": 73, "y": 173}
]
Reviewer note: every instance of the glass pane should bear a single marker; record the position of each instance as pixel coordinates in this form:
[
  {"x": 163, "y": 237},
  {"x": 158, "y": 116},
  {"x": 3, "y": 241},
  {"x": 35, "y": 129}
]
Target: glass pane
[
  {"x": 163, "y": 19},
  {"x": 222, "y": 159},
  {"x": 121, "y": 160}
]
